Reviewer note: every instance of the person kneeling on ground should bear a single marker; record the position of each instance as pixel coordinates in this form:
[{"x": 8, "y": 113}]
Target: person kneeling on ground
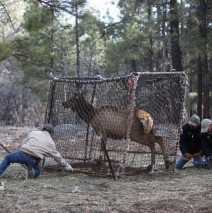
[
  {"x": 206, "y": 141},
  {"x": 190, "y": 144},
  {"x": 33, "y": 150}
]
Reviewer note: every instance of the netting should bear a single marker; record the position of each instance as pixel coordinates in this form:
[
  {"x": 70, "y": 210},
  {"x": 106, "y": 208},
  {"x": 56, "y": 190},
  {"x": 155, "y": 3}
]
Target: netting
[{"x": 78, "y": 138}]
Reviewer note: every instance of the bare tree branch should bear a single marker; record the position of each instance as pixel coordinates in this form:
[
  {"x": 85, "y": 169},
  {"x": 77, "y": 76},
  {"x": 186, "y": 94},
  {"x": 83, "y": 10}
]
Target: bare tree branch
[
  {"x": 7, "y": 15},
  {"x": 57, "y": 5}
]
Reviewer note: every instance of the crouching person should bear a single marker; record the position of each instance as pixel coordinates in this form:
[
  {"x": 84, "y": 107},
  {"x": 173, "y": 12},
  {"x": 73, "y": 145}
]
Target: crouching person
[
  {"x": 190, "y": 144},
  {"x": 33, "y": 149},
  {"x": 206, "y": 140}
]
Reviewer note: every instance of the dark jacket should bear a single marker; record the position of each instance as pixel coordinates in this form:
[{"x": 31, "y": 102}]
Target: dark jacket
[
  {"x": 206, "y": 140},
  {"x": 190, "y": 139}
]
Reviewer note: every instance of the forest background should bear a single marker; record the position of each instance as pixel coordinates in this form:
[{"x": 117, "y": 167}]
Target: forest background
[{"x": 40, "y": 39}]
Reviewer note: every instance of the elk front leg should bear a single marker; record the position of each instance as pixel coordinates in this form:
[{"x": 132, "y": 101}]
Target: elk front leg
[
  {"x": 104, "y": 151},
  {"x": 102, "y": 157}
]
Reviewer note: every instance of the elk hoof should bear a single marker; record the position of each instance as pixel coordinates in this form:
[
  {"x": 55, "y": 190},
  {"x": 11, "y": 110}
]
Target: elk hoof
[{"x": 169, "y": 163}]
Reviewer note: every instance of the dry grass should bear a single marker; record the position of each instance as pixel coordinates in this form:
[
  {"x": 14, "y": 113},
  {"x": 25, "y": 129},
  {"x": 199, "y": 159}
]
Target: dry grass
[{"x": 188, "y": 190}]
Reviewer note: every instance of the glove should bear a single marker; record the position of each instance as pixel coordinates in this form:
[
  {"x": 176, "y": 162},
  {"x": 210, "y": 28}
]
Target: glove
[
  {"x": 198, "y": 154},
  {"x": 188, "y": 156},
  {"x": 68, "y": 168}
]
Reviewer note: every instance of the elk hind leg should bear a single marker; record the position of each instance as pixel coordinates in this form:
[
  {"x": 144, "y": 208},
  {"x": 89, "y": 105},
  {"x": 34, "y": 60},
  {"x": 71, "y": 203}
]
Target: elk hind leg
[
  {"x": 152, "y": 148},
  {"x": 104, "y": 151},
  {"x": 164, "y": 152}
]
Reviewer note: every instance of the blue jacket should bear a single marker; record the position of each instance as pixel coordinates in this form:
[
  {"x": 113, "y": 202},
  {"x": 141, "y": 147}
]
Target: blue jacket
[
  {"x": 206, "y": 140},
  {"x": 190, "y": 139}
]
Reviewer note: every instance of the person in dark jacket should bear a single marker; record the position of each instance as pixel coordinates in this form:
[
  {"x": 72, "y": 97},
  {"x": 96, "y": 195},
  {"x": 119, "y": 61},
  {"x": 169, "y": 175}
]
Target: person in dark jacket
[
  {"x": 206, "y": 141},
  {"x": 190, "y": 144}
]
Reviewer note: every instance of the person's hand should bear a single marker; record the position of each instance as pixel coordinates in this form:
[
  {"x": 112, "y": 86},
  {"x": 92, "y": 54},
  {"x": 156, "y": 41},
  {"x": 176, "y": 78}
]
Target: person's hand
[
  {"x": 188, "y": 156},
  {"x": 197, "y": 155},
  {"x": 68, "y": 168}
]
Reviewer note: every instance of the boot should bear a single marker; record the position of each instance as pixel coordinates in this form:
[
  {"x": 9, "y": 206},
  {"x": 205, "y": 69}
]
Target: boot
[{"x": 31, "y": 173}]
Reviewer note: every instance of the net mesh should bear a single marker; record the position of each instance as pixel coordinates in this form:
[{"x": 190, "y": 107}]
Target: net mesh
[{"x": 162, "y": 95}]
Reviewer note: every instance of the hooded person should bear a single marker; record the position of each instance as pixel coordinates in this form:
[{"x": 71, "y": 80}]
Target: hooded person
[
  {"x": 190, "y": 144},
  {"x": 33, "y": 149},
  {"x": 206, "y": 141}
]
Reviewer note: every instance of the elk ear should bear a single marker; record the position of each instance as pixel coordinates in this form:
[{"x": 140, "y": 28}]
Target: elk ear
[{"x": 78, "y": 94}]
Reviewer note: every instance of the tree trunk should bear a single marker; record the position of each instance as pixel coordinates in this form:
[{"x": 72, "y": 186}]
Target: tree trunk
[
  {"x": 51, "y": 58},
  {"x": 199, "y": 88},
  {"x": 150, "y": 39},
  {"x": 202, "y": 13},
  {"x": 175, "y": 41},
  {"x": 165, "y": 51},
  {"x": 77, "y": 41}
]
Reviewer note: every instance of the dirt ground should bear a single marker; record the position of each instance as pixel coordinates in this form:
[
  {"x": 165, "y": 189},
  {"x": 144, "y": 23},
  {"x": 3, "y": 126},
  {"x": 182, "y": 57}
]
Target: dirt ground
[{"x": 188, "y": 190}]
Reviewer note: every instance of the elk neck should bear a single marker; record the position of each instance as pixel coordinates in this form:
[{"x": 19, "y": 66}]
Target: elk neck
[{"x": 85, "y": 110}]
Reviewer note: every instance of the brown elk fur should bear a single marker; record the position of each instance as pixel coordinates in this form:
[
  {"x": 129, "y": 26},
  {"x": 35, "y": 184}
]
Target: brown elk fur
[{"x": 111, "y": 122}]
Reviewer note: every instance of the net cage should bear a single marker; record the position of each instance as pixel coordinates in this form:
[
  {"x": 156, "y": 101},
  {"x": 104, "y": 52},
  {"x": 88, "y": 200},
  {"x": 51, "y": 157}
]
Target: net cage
[{"x": 78, "y": 138}]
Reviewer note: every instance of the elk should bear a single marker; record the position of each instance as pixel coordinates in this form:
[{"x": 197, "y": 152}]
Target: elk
[{"x": 111, "y": 122}]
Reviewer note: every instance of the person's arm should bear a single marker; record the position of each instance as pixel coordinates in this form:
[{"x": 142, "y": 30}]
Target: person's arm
[
  {"x": 197, "y": 154},
  {"x": 24, "y": 141},
  {"x": 183, "y": 146},
  {"x": 206, "y": 148},
  {"x": 183, "y": 142},
  {"x": 57, "y": 156},
  {"x": 59, "y": 159}
]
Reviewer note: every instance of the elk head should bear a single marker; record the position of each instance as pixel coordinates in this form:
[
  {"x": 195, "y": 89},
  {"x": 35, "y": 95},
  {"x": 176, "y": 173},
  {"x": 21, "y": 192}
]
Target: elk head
[{"x": 75, "y": 101}]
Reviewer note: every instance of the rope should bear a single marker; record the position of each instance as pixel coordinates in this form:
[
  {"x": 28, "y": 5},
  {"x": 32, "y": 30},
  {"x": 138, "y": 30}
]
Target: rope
[
  {"x": 132, "y": 85},
  {"x": 100, "y": 79},
  {"x": 184, "y": 83},
  {"x": 26, "y": 177}
]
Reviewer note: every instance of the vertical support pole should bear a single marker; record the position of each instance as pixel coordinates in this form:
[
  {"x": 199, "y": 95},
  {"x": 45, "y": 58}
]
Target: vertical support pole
[
  {"x": 88, "y": 126},
  {"x": 50, "y": 102},
  {"x": 49, "y": 107},
  {"x": 4, "y": 148}
]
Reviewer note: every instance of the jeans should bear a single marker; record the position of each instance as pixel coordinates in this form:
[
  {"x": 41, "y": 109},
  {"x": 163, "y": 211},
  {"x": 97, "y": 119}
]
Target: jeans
[
  {"x": 19, "y": 157},
  {"x": 197, "y": 162}
]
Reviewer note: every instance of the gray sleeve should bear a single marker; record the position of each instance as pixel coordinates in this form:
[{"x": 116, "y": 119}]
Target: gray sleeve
[{"x": 57, "y": 156}]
